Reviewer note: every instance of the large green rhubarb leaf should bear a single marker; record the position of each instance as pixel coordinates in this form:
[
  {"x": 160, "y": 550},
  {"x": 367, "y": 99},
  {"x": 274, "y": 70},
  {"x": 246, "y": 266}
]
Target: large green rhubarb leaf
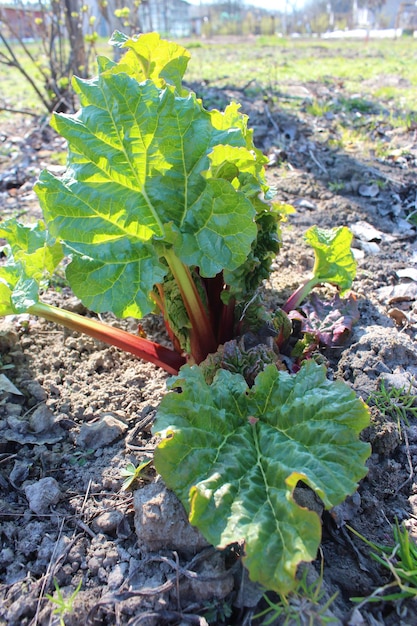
[
  {"x": 234, "y": 456},
  {"x": 149, "y": 170}
]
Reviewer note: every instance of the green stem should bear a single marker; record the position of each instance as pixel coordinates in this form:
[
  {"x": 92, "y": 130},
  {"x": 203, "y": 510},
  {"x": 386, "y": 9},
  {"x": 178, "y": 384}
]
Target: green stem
[
  {"x": 167, "y": 359},
  {"x": 203, "y": 340}
]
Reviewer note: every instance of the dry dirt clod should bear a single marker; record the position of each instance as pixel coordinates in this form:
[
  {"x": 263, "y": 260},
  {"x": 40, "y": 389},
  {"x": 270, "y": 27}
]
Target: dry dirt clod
[
  {"x": 101, "y": 433},
  {"x": 161, "y": 522},
  {"x": 42, "y": 495}
]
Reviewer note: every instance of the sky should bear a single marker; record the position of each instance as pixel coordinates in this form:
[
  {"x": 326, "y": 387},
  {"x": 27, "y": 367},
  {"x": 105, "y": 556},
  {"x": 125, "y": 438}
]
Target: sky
[{"x": 277, "y": 5}]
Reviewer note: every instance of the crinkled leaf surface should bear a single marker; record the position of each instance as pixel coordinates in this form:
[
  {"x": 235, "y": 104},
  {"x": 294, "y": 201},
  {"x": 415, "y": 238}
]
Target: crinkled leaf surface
[
  {"x": 149, "y": 56},
  {"x": 32, "y": 256},
  {"x": 9, "y": 277},
  {"x": 32, "y": 246},
  {"x": 330, "y": 321},
  {"x": 334, "y": 262},
  {"x": 234, "y": 455},
  {"x": 137, "y": 180}
]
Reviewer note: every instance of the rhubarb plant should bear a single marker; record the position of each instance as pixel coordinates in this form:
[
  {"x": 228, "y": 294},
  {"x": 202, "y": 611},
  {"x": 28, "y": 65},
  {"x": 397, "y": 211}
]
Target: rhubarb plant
[{"x": 164, "y": 207}]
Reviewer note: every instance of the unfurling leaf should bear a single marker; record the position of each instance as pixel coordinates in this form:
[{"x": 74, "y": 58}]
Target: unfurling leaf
[
  {"x": 335, "y": 263},
  {"x": 329, "y": 321}
]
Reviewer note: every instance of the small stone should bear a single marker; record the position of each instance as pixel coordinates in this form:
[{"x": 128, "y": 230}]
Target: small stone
[
  {"x": 6, "y": 556},
  {"x": 303, "y": 203},
  {"x": 13, "y": 409},
  {"x": 108, "y": 522},
  {"x": 42, "y": 494},
  {"x": 41, "y": 420},
  {"x": 370, "y": 248},
  {"x": 368, "y": 191},
  {"x": 19, "y": 473},
  {"x": 8, "y": 334},
  {"x": 111, "y": 558},
  {"x": 213, "y": 580},
  {"x": 93, "y": 565},
  {"x": 409, "y": 273},
  {"x": 117, "y": 575},
  {"x": 102, "y": 575},
  {"x": 366, "y": 232},
  {"x": 398, "y": 316},
  {"x": 101, "y": 433},
  {"x": 36, "y": 390}
]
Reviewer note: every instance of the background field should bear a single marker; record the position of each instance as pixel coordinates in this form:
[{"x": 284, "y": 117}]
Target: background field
[{"x": 270, "y": 65}]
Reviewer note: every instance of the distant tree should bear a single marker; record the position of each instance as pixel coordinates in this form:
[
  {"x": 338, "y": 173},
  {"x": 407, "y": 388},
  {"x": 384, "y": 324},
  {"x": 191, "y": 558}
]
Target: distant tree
[
  {"x": 121, "y": 15},
  {"x": 315, "y": 16},
  {"x": 64, "y": 43},
  {"x": 341, "y": 6},
  {"x": 371, "y": 4}
]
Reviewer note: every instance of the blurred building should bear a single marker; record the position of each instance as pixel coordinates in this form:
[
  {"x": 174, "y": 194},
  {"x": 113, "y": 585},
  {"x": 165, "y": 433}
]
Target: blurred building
[
  {"x": 168, "y": 17},
  {"x": 20, "y": 22},
  {"x": 393, "y": 14}
]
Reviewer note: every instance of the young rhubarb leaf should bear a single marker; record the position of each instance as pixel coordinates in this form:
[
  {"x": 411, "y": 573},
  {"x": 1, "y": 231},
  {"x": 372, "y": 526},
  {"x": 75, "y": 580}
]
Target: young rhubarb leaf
[
  {"x": 234, "y": 456},
  {"x": 33, "y": 247},
  {"x": 32, "y": 256},
  {"x": 149, "y": 56},
  {"x": 334, "y": 262}
]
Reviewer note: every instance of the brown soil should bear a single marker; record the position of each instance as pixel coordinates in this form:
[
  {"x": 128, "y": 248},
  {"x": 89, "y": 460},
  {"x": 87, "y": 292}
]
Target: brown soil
[{"x": 80, "y": 411}]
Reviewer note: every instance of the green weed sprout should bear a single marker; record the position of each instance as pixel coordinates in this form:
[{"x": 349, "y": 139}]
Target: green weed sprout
[
  {"x": 63, "y": 605},
  {"x": 304, "y": 606},
  {"x": 131, "y": 473},
  {"x": 400, "y": 559},
  {"x": 396, "y": 403},
  {"x": 217, "y": 612}
]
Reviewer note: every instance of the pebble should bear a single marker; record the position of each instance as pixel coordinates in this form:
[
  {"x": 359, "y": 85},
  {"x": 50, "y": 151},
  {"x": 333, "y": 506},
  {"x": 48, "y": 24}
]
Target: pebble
[
  {"x": 101, "y": 433},
  {"x": 111, "y": 558},
  {"x": 212, "y": 581},
  {"x": 42, "y": 494},
  {"x": 398, "y": 316},
  {"x": 108, "y": 522},
  {"x": 39, "y": 428},
  {"x": 42, "y": 419},
  {"x": 93, "y": 564},
  {"x": 117, "y": 575},
  {"x": 36, "y": 390},
  {"x": 6, "y": 556},
  {"x": 13, "y": 409},
  {"x": 368, "y": 191}
]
